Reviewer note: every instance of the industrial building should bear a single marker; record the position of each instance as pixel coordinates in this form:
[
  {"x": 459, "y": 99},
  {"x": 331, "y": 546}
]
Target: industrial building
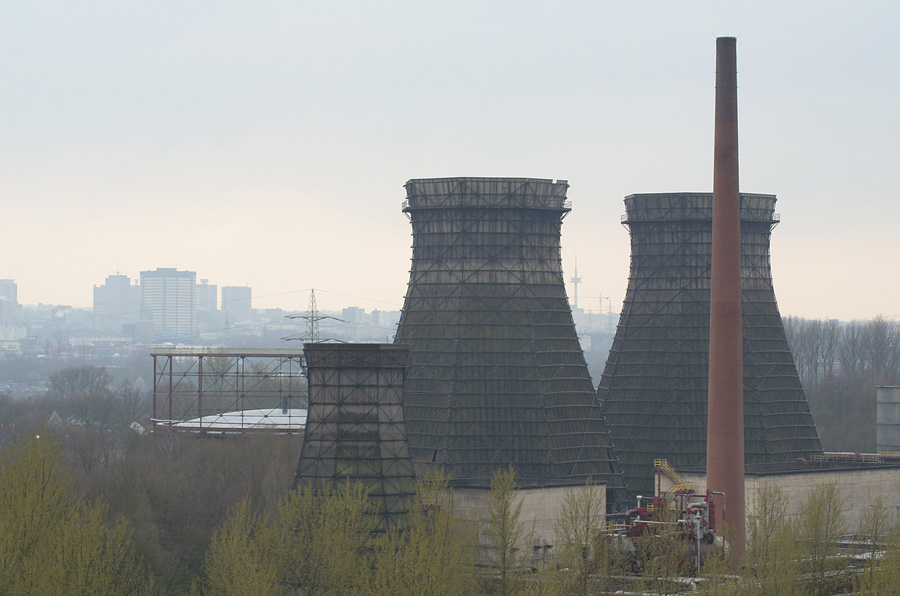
[
  {"x": 887, "y": 431},
  {"x": 860, "y": 479},
  {"x": 655, "y": 383},
  {"x": 496, "y": 376}
]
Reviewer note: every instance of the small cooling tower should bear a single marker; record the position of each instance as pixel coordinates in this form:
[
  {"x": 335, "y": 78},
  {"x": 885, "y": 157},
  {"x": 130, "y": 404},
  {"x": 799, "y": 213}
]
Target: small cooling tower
[{"x": 354, "y": 428}]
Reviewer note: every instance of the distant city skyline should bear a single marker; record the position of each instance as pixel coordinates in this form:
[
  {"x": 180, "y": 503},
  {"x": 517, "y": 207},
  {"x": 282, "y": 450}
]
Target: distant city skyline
[{"x": 266, "y": 145}]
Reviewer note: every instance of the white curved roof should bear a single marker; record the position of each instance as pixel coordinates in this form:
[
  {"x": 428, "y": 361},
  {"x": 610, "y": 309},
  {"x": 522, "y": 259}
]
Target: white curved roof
[{"x": 271, "y": 419}]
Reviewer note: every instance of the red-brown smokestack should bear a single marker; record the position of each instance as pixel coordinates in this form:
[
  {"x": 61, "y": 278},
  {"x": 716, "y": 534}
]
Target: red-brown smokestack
[{"x": 725, "y": 423}]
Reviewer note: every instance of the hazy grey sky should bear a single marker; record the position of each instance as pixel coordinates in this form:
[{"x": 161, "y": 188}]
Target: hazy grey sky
[{"x": 267, "y": 143}]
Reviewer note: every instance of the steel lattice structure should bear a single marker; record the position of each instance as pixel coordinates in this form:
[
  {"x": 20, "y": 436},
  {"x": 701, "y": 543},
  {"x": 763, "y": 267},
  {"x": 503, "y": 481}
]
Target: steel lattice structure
[
  {"x": 221, "y": 390},
  {"x": 654, "y": 387},
  {"x": 355, "y": 428},
  {"x": 496, "y": 375}
]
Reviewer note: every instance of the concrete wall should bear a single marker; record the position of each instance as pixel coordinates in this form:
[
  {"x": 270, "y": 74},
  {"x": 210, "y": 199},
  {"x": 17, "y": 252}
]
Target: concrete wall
[
  {"x": 540, "y": 509},
  {"x": 858, "y": 488}
]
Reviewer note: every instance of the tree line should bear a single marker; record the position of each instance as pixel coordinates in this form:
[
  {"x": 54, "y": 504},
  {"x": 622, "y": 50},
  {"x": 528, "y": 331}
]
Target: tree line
[
  {"x": 840, "y": 365},
  {"x": 55, "y": 539},
  {"x": 181, "y": 514}
]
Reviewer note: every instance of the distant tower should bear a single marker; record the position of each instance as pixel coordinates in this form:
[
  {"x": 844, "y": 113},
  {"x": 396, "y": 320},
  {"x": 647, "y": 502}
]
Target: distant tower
[
  {"x": 575, "y": 281},
  {"x": 655, "y": 384},
  {"x": 496, "y": 375},
  {"x": 208, "y": 315},
  {"x": 116, "y": 303},
  {"x": 207, "y": 296},
  {"x": 354, "y": 426},
  {"x": 9, "y": 301},
  {"x": 169, "y": 300},
  {"x": 237, "y": 302}
]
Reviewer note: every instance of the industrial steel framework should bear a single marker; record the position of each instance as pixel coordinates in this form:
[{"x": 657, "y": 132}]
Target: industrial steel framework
[
  {"x": 355, "y": 429},
  {"x": 221, "y": 390},
  {"x": 496, "y": 375},
  {"x": 654, "y": 388}
]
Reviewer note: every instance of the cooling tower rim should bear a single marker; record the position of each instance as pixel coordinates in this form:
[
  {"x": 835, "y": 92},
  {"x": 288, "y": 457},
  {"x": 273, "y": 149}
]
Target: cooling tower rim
[
  {"x": 488, "y": 178},
  {"x": 697, "y": 194},
  {"x": 695, "y": 206},
  {"x": 356, "y": 354},
  {"x": 486, "y": 193},
  {"x": 340, "y": 347}
]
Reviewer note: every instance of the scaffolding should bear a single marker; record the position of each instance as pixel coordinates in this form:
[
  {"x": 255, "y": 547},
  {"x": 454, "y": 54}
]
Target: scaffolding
[
  {"x": 212, "y": 390},
  {"x": 355, "y": 430},
  {"x": 654, "y": 388},
  {"x": 496, "y": 375}
]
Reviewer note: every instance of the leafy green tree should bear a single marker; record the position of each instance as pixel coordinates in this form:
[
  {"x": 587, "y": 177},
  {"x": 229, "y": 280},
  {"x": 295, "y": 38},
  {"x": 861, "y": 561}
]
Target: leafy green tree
[
  {"x": 771, "y": 566},
  {"x": 718, "y": 578},
  {"x": 433, "y": 556},
  {"x": 504, "y": 534},
  {"x": 881, "y": 576},
  {"x": 820, "y": 527},
  {"x": 321, "y": 540},
  {"x": 52, "y": 543},
  {"x": 239, "y": 560},
  {"x": 585, "y": 561},
  {"x": 663, "y": 553}
]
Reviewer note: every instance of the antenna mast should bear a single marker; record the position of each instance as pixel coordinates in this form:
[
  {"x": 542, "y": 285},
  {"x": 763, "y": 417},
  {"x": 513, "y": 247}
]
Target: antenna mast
[{"x": 575, "y": 281}]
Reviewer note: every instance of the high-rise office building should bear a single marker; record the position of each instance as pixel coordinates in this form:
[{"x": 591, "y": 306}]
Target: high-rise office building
[
  {"x": 117, "y": 302},
  {"x": 207, "y": 296},
  {"x": 353, "y": 315},
  {"x": 9, "y": 301},
  {"x": 169, "y": 300},
  {"x": 236, "y": 303}
]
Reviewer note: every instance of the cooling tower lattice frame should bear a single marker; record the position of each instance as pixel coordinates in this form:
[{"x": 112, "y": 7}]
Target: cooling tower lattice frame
[
  {"x": 655, "y": 384},
  {"x": 496, "y": 375},
  {"x": 355, "y": 429}
]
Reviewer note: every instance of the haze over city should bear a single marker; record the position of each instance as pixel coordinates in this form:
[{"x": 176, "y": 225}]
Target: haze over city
[{"x": 268, "y": 144}]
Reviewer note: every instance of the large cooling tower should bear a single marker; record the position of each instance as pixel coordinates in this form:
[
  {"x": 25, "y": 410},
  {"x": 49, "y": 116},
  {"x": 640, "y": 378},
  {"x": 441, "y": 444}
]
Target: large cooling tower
[
  {"x": 354, "y": 428},
  {"x": 654, "y": 387},
  {"x": 496, "y": 375}
]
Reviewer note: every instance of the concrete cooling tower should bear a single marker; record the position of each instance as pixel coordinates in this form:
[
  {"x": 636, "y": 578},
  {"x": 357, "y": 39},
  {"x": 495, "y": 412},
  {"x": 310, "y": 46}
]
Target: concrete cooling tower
[
  {"x": 354, "y": 428},
  {"x": 654, "y": 387},
  {"x": 496, "y": 376}
]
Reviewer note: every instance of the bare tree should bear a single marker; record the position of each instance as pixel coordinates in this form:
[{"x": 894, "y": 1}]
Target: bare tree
[
  {"x": 881, "y": 347},
  {"x": 80, "y": 380},
  {"x": 831, "y": 340},
  {"x": 851, "y": 351}
]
